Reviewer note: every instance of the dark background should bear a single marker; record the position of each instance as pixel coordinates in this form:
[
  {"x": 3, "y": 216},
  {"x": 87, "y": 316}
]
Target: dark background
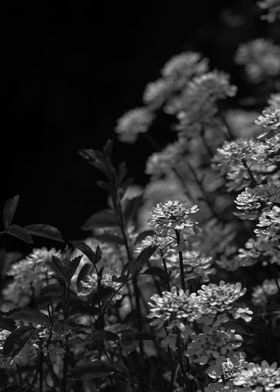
[{"x": 71, "y": 70}]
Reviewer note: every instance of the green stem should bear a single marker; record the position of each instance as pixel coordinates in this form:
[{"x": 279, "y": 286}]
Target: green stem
[{"x": 181, "y": 261}]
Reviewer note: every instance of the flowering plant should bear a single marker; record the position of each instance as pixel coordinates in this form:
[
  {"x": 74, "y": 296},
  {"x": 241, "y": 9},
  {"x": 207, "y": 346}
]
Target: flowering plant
[{"x": 176, "y": 288}]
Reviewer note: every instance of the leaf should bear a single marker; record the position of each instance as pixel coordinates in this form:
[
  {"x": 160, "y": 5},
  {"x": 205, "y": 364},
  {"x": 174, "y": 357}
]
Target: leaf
[
  {"x": 9, "y": 210},
  {"x": 104, "y": 335},
  {"x": 58, "y": 268},
  {"x": 95, "y": 369},
  {"x": 85, "y": 249},
  {"x": 74, "y": 263},
  {"x": 30, "y": 315},
  {"x": 83, "y": 274},
  {"x": 105, "y": 218},
  {"x": 19, "y": 232},
  {"x": 155, "y": 271},
  {"x": 44, "y": 231},
  {"x": 135, "y": 266},
  {"x": 143, "y": 235},
  {"x": 17, "y": 339}
]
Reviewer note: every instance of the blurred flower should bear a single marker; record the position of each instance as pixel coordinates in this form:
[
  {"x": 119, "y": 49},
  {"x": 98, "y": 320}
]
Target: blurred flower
[
  {"x": 261, "y": 59},
  {"x": 262, "y": 293},
  {"x": 173, "y": 214},
  {"x": 273, "y": 9},
  {"x": 157, "y": 93},
  {"x": 174, "y": 308},
  {"x": 165, "y": 161},
  {"x": 132, "y": 123},
  {"x": 182, "y": 67},
  {"x": 198, "y": 103},
  {"x": 242, "y": 123},
  {"x": 30, "y": 275},
  {"x": 196, "y": 265},
  {"x": 259, "y": 378}
]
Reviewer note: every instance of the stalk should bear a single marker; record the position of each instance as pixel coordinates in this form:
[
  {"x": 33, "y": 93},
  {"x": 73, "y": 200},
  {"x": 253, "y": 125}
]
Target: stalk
[{"x": 181, "y": 262}]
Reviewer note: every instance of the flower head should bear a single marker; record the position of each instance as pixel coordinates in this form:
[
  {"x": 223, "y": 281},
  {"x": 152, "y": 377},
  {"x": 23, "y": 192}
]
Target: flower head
[
  {"x": 261, "y": 59},
  {"x": 174, "y": 307},
  {"x": 216, "y": 299},
  {"x": 30, "y": 275},
  {"x": 212, "y": 345},
  {"x": 262, "y": 293},
  {"x": 132, "y": 123},
  {"x": 173, "y": 215},
  {"x": 273, "y": 9},
  {"x": 259, "y": 378}
]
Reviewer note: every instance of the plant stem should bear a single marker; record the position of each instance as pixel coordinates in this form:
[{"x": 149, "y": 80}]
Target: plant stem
[
  {"x": 181, "y": 261},
  {"x": 254, "y": 182}
]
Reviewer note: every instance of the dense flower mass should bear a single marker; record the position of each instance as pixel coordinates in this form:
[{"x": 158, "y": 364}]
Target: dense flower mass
[
  {"x": 173, "y": 215},
  {"x": 261, "y": 294},
  {"x": 272, "y": 8},
  {"x": 165, "y": 161},
  {"x": 215, "y": 299},
  {"x": 174, "y": 308},
  {"x": 182, "y": 67},
  {"x": 132, "y": 123},
  {"x": 259, "y": 378},
  {"x": 93, "y": 283},
  {"x": 196, "y": 265},
  {"x": 29, "y": 275},
  {"x": 260, "y": 57},
  {"x": 197, "y": 106}
]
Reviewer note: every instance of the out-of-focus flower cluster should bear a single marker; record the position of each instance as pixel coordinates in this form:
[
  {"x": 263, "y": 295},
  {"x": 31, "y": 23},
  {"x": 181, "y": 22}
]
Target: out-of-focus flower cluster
[
  {"x": 261, "y": 59},
  {"x": 272, "y": 8},
  {"x": 29, "y": 276}
]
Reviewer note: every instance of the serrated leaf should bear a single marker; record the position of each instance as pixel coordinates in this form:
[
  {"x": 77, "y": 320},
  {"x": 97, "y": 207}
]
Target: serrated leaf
[
  {"x": 135, "y": 266},
  {"x": 9, "y": 210},
  {"x": 105, "y": 218},
  {"x": 30, "y": 316},
  {"x": 20, "y": 233},
  {"x": 58, "y": 268},
  {"x": 95, "y": 369},
  {"x": 17, "y": 339},
  {"x": 44, "y": 231}
]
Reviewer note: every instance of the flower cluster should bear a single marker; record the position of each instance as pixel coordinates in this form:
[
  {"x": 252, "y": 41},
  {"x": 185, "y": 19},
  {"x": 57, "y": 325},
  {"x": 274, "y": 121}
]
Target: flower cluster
[
  {"x": 213, "y": 345},
  {"x": 273, "y": 9},
  {"x": 29, "y": 275},
  {"x": 261, "y": 294},
  {"x": 93, "y": 283},
  {"x": 197, "y": 106},
  {"x": 217, "y": 299},
  {"x": 173, "y": 215},
  {"x": 196, "y": 265},
  {"x": 261, "y": 59},
  {"x": 174, "y": 308},
  {"x": 132, "y": 123}
]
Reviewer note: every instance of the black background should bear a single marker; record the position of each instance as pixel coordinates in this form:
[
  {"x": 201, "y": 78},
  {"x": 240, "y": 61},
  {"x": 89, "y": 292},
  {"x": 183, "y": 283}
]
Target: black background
[{"x": 70, "y": 70}]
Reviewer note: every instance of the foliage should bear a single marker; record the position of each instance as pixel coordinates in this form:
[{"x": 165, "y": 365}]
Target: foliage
[{"x": 176, "y": 288}]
